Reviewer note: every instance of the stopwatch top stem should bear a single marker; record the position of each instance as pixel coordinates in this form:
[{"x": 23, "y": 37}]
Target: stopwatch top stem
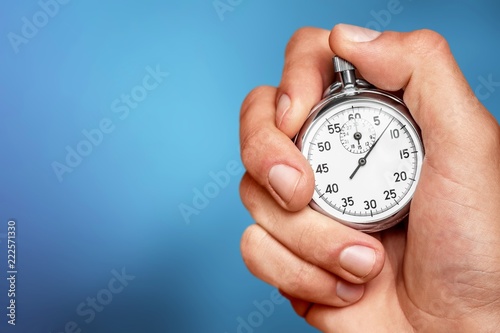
[{"x": 346, "y": 70}]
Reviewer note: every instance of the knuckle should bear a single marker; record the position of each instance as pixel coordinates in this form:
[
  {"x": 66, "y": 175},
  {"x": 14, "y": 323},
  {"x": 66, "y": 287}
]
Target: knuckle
[
  {"x": 300, "y": 281},
  {"x": 247, "y": 195},
  {"x": 246, "y": 241},
  {"x": 301, "y": 36},
  {"x": 253, "y": 237},
  {"x": 302, "y": 33},
  {"x": 428, "y": 42},
  {"x": 256, "y": 200},
  {"x": 490, "y": 133},
  {"x": 252, "y": 134},
  {"x": 249, "y": 100},
  {"x": 252, "y": 143},
  {"x": 308, "y": 233},
  {"x": 321, "y": 251}
]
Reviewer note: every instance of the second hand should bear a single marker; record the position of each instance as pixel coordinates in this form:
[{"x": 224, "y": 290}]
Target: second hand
[{"x": 362, "y": 160}]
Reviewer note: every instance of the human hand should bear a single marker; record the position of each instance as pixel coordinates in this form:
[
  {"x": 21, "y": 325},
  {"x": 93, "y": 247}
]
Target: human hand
[{"x": 440, "y": 272}]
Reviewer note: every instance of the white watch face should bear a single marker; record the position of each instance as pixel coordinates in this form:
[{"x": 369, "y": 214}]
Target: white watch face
[{"x": 366, "y": 157}]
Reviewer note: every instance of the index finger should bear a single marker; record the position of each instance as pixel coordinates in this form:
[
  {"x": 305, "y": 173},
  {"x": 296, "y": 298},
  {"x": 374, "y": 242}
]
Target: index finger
[{"x": 306, "y": 74}]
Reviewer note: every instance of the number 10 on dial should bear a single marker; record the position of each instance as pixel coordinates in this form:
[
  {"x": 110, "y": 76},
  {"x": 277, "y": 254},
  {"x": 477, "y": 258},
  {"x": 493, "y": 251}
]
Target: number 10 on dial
[
  {"x": 366, "y": 157},
  {"x": 365, "y": 151}
]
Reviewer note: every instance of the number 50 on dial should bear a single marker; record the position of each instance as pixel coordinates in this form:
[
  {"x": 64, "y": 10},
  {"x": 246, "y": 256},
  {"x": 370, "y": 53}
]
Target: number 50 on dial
[{"x": 366, "y": 154}]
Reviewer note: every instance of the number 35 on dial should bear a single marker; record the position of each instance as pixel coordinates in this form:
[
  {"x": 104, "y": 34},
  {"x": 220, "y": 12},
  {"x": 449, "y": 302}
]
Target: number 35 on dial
[{"x": 366, "y": 156}]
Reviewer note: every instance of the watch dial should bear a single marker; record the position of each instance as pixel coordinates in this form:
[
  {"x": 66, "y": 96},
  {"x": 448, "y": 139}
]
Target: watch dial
[{"x": 366, "y": 157}]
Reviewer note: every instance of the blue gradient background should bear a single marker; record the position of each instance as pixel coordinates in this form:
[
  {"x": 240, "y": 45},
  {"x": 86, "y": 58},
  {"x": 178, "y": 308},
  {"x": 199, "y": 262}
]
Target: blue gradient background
[{"x": 120, "y": 207}]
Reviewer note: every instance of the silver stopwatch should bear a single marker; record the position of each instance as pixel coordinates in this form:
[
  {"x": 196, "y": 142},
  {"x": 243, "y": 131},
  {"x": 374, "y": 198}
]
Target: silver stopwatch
[{"x": 365, "y": 151}]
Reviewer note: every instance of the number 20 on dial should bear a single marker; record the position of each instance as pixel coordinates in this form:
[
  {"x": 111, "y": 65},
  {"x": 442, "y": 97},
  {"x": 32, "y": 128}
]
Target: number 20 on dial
[{"x": 366, "y": 154}]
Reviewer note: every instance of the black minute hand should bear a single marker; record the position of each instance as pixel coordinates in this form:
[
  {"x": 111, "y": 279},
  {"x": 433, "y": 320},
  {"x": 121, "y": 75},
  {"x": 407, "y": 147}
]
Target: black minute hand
[{"x": 362, "y": 160}]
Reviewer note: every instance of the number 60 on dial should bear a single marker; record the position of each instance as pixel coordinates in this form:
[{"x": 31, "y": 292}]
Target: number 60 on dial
[{"x": 365, "y": 151}]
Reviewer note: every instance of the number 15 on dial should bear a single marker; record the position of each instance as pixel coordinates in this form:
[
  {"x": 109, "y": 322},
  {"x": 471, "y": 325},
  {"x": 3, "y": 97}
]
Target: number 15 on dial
[{"x": 366, "y": 154}]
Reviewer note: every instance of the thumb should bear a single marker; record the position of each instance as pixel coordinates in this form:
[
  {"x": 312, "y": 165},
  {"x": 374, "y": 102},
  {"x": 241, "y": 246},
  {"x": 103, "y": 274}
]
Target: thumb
[
  {"x": 454, "y": 217},
  {"x": 454, "y": 123}
]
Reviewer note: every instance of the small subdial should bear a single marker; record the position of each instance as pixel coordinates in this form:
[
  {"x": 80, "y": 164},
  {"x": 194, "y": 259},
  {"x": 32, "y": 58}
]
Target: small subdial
[{"x": 357, "y": 135}]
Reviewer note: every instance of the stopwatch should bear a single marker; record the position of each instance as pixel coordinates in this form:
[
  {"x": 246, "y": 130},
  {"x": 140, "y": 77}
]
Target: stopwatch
[{"x": 365, "y": 150}]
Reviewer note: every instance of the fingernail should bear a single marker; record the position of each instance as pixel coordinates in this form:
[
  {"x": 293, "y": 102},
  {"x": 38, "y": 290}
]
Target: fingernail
[
  {"x": 284, "y": 180},
  {"x": 358, "y": 260},
  {"x": 349, "y": 292},
  {"x": 358, "y": 34},
  {"x": 282, "y": 108}
]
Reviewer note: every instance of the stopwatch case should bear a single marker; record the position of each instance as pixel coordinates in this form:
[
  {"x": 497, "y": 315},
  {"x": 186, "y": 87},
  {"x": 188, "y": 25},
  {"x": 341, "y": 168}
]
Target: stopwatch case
[{"x": 331, "y": 102}]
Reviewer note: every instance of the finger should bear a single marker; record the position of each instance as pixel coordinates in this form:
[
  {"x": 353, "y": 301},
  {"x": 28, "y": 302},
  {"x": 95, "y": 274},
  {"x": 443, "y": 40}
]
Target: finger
[
  {"x": 456, "y": 201},
  {"x": 270, "y": 156},
  {"x": 352, "y": 255},
  {"x": 300, "y": 307},
  {"x": 436, "y": 92},
  {"x": 306, "y": 74},
  {"x": 273, "y": 263},
  {"x": 461, "y": 137},
  {"x": 381, "y": 301}
]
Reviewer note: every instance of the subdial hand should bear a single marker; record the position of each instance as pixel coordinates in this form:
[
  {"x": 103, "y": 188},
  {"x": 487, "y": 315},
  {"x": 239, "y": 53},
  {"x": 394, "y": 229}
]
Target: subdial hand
[{"x": 357, "y": 137}]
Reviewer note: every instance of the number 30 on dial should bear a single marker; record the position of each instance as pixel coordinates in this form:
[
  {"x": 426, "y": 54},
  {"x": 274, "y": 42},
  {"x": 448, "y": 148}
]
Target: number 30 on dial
[{"x": 366, "y": 155}]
